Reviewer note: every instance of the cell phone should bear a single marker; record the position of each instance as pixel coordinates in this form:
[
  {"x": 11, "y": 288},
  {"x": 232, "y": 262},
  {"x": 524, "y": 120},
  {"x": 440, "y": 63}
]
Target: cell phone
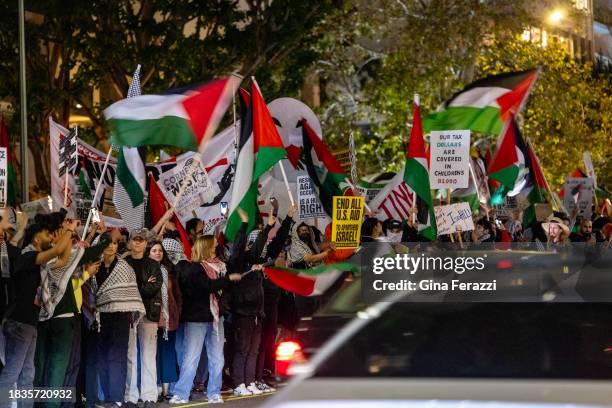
[
  {"x": 223, "y": 207},
  {"x": 274, "y": 203}
]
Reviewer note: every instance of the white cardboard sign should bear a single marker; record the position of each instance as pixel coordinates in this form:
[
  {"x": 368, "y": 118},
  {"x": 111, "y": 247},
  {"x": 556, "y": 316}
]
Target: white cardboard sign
[
  {"x": 449, "y": 165},
  {"x": 453, "y": 217}
]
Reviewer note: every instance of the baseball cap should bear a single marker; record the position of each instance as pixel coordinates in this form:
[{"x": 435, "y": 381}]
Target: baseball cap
[
  {"x": 394, "y": 224},
  {"x": 142, "y": 233}
]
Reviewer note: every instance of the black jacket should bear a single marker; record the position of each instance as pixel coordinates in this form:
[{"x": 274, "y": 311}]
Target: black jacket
[
  {"x": 150, "y": 292},
  {"x": 277, "y": 244},
  {"x": 248, "y": 294},
  {"x": 196, "y": 287}
]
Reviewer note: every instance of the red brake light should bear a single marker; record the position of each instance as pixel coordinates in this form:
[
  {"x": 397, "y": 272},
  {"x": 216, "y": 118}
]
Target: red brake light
[{"x": 288, "y": 350}]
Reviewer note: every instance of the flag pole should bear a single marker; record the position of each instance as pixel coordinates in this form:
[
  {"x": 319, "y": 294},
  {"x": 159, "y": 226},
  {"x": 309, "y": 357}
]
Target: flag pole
[
  {"x": 355, "y": 191},
  {"x": 280, "y": 162},
  {"x": 553, "y": 196},
  {"x": 95, "y": 196}
]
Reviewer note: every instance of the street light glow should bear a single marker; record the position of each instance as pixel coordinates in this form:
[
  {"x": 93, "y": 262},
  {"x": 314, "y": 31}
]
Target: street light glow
[{"x": 556, "y": 17}]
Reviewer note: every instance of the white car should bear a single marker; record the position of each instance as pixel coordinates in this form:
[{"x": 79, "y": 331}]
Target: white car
[{"x": 468, "y": 355}]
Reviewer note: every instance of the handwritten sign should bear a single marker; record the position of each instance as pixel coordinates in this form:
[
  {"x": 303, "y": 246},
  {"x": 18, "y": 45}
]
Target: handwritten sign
[
  {"x": 578, "y": 191},
  {"x": 454, "y": 217},
  {"x": 346, "y": 222},
  {"x": 450, "y": 155},
  {"x": 309, "y": 205}
]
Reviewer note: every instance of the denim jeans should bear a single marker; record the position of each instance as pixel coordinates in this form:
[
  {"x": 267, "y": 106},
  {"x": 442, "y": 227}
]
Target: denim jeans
[
  {"x": 20, "y": 350},
  {"x": 195, "y": 336}
]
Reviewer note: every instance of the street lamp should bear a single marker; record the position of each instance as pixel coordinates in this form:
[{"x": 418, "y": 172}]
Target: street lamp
[{"x": 556, "y": 16}]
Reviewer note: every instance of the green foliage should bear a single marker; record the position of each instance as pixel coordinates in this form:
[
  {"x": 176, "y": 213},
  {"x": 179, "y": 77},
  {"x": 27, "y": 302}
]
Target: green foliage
[{"x": 74, "y": 46}]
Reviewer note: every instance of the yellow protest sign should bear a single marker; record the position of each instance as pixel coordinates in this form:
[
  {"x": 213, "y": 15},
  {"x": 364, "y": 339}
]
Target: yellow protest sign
[{"x": 346, "y": 223}]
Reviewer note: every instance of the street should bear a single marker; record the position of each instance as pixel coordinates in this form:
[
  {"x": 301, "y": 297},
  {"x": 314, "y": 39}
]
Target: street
[{"x": 198, "y": 400}]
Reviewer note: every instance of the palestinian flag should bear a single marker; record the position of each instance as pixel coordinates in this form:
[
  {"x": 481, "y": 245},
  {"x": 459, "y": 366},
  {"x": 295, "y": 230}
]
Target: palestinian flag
[
  {"x": 130, "y": 187},
  {"x": 185, "y": 120},
  {"x": 509, "y": 164},
  {"x": 535, "y": 187},
  {"x": 309, "y": 282},
  {"x": 84, "y": 184},
  {"x": 485, "y": 105},
  {"x": 10, "y": 170},
  {"x": 260, "y": 148},
  {"x": 416, "y": 175},
  {"x": 324, "y": 170},
  {"x": 157, "y": 208}
]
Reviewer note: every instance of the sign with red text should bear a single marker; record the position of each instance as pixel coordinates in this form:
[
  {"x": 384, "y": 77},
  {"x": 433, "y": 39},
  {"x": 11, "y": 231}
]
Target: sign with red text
[{"x": 449, "y": 165}]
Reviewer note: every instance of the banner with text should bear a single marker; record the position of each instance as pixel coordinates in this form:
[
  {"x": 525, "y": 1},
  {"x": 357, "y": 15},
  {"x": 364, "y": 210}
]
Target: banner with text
[
  {"x": 198, "y": 190},
  {"x": 450, "y": 155},
  {"x": 3, "y": 176},
  {"x": 346, "y": 223}
]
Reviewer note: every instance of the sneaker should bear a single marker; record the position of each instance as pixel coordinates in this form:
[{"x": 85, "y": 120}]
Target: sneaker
[
  {"x": 149, "y": 404},
  {"x": 242, "y": 391},
  {"x": 253, "y": 388},
  {"x": 215, "y": 400},
  {"x": 264, "y": 387},
  {"x": 177, "y": 400}
]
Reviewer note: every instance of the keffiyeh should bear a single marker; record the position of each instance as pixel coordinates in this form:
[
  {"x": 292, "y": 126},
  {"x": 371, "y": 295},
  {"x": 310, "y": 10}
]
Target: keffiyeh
[
  {"x": 164, "y": 295},
  {"x": 175, "y": 250},
  {"x": 299, "y": 249},
  {"x": 214, "y": 268},
  {"x": 119, "y": 292}
]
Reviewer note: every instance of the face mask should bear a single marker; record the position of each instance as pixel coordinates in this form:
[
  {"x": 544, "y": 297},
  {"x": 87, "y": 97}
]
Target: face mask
[
  {"x": 394, "y": 236},
  {"x": 304, "y": 237}
]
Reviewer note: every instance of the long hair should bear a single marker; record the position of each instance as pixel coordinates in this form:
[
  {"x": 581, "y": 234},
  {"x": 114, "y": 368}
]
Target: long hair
[
  {"x": 165, "y": 260},
  {"x": 203, "y": 248}
]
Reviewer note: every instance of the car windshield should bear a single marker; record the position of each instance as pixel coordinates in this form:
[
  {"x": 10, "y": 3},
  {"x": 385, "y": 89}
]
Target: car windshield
[
  {"x": 494, "y": 340},
  {"x": 348, "y": 300}
]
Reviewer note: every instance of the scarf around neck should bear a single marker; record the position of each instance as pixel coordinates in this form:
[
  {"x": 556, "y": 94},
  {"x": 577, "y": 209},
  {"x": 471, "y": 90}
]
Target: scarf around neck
[{"x": 214, "y": 268}]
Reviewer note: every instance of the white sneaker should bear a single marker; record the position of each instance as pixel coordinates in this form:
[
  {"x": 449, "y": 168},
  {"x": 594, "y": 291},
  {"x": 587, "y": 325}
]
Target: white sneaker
[
  {"x": 242, "y": 391},
  {"x": 177, "y": 400},
  {"x": 253, "y": 388},
  {"x": 265, "y": 387},
  {"x": 215, "y": 400}
]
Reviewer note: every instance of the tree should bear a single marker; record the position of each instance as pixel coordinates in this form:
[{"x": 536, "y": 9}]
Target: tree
[
  {"x": 75, "y": 46},
  {"x": 569, "y": 111}
]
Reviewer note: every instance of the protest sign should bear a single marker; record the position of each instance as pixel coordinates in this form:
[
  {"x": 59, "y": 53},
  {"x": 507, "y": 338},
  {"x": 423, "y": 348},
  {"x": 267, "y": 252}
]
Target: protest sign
[
  {"x": 3, "y": 176},
  {"x": 346, "y": 223},
  {"x": 578, "y": 192},
  {"x": 450, "y": 155},
  {"x": 453, "y": 217},
  {"x": 543, "y": 211},
  {"x": 588, "y": 165},
  {"x": 309, "y": 205},
  {"x": 40, "y": 206},
  {"x": 198, "y": 190}
]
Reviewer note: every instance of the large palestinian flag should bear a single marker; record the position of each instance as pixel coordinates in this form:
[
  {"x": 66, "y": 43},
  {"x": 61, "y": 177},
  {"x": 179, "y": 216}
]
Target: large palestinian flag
[
  {"x": 416, "y": 176},
  {"x": 186, "y": 120},
  {"x": 326, "y": 173},
  {"x": 260, "y": 148},
  {"x": 309, "y": 282},
  {"x": 485, "y": 105}
]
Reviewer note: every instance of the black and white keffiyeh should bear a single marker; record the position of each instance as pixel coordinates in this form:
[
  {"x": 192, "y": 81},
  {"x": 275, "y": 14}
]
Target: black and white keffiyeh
[
  {"x": 5, "y": 263},
  {"x": 174, "y": 249},
  {"x": 164, "y": 295},
  {"x": 119, "y": 292}
]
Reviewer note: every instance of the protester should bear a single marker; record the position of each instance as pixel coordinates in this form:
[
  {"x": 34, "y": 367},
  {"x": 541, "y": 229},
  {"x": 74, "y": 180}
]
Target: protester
[
  {"x": 392, "y": 230},
  {"x": 45, "y": 240},
  {"x": 194, "y": 228},
  {"x": 371, "y": 229},
  {"x": 557, "y": 232},
  {"x": 203, "y": 323},
  {"x": 149, "y": 278},
  {"x": 168, "y": 321},
  {"x": 305, "y": 253},
  {"x": 265, "y": 357},
  {"x": 248, "y": 307},
  {"x": 120, "y": 306},
  {"x": 586, "y": 233},
  {"x": 9, "y": 252}
]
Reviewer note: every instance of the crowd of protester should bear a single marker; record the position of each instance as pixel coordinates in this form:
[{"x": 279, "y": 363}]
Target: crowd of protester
[{"x": 125, "y": 317}]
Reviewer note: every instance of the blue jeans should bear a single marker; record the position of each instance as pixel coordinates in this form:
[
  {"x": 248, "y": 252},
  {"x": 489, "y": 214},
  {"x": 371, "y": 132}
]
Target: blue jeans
[
  {"x": 196, "y": 335},
  {"x": 20, "y": 350}
]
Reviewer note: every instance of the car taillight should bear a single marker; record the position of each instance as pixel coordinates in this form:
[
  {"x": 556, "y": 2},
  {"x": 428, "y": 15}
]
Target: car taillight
[{"x": 287, "y": 353}]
